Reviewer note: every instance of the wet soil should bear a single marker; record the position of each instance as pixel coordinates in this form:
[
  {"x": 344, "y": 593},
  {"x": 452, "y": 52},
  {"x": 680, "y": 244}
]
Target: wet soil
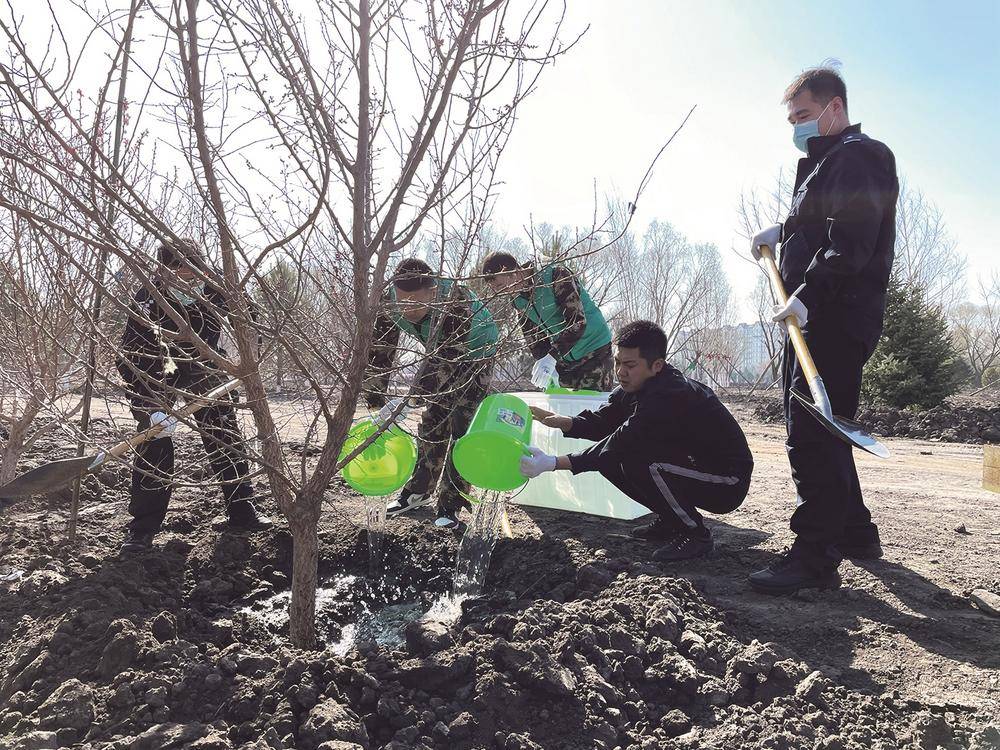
[{"x": 579, "y": 640}]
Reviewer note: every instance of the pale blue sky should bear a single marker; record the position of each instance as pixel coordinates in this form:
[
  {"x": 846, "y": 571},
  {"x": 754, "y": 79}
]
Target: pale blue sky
[{"x": 921, "y": 76}]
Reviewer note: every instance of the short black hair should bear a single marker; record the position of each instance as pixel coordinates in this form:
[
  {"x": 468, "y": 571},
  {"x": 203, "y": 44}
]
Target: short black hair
[
  {"x": 499, "y": 262},
  {"x": 824, "y": 83},
  {"x": 645, "y": 336},
  {"x": 184, "y": 251},
  {"x": 412, "y": 274}
]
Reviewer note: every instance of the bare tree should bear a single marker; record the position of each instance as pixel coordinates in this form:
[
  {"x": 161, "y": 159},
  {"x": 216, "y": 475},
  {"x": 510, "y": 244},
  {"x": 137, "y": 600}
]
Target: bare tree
[
  {"x": 665, "y": 278},
  {"x": 323, "y": 136},
  {"x": 757, "y": 210},
  {"x": 976, "y": 329},
  {"x": 41, "y": 344},
  {"x": 926, "y": 255}
]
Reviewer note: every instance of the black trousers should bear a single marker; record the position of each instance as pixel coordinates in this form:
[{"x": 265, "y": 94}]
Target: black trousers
[
  {"x": 674, "y": 488},
  {"x": 829, "y": 507},
  {"x": 152, "y": 472}
]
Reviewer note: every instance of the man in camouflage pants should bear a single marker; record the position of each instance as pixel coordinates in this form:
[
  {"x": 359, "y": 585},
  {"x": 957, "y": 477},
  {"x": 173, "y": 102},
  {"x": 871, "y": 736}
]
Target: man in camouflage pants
[
  {"x": 565, "y": 330},
  {"x": 459, "y": 339}
]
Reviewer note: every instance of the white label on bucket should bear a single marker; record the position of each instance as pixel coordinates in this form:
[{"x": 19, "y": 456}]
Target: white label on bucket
[{"x": 511, "y": 417}]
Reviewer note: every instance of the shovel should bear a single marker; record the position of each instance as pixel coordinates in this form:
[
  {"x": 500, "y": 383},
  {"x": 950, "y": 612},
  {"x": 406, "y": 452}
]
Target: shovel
[
  {"x": 57, "y": 474},
  {"x": 846, "y": 429}
]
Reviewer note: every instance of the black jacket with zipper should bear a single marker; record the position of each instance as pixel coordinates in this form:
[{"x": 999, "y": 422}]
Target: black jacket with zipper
[
  {"x": 838, "y": 240},
  {"x": 670, "y": 417},
  {"x": 145, "y": 354}
]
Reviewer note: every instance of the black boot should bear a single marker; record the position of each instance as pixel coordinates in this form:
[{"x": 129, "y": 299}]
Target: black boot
[
  {"x": 137, "y": 542},
  {"x": 245, "y": 517},
  {"x": 795, "y": 571},
  {"x": 685, "y": 545},
  {"x": 869, "y": 551},
  {"x": 660, "y": 530},
  {"x": 861, "y": 549}
]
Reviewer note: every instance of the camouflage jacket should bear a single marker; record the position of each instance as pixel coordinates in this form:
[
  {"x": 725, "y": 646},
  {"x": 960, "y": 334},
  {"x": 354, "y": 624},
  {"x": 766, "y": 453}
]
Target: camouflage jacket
[
  {"x": 447, "y": 364},
  {"x": 566, "y": 291}
]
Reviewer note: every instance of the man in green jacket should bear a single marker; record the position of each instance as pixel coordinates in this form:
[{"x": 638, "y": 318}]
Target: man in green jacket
[
  {"x": 564, "y": 328},
  {"x": 459, "y": 340}
]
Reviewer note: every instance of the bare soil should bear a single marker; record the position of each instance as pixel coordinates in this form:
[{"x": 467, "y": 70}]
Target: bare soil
[{"x": 580, "y": 641}]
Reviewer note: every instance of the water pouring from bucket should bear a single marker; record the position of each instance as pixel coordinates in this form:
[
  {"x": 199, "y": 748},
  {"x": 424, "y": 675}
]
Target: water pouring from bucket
[
  {"x": 380, "y": 469},
  {"x": 488, "y": 456}
]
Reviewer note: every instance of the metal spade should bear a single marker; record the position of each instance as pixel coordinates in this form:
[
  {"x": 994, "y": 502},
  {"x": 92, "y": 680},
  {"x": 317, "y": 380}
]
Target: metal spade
[
  {"x": 846, "y": 429},
  {"x": 57, "y": 474}
]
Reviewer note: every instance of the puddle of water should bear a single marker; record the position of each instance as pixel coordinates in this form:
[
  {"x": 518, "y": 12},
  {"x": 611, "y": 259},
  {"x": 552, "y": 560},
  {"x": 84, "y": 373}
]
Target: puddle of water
[
  {"x": 351, "y": 610},
  {"x": 476, "y": 548}
]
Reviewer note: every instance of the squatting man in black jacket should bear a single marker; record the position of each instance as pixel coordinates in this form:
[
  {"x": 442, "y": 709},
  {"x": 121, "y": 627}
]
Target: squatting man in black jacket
[
  {"x": 157, "y": 367},
  {"x": 663, "y": 439},
  {"x": 836, "y": 251}
]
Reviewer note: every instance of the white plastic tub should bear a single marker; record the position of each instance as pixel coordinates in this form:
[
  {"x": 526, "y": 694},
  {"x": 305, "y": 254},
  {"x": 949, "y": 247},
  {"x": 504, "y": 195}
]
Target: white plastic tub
[{"x": 583, "y": 493}]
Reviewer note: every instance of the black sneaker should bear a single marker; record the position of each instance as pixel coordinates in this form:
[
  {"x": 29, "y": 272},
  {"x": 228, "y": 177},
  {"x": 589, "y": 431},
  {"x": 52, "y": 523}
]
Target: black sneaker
[
  {"x": 791, "y": 573},
  {"x": 136, "y": 542},
  {"x": 660, "y": 530},
  {"x": 406, "y": 502},
  {"x": 245, "y": 517},
  {"x": 448, "y": 519},
  {"x": 684, "y": 546}
]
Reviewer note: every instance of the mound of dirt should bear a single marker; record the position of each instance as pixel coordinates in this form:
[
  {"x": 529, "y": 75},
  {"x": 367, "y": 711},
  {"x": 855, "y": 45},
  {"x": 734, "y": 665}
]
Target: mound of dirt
[
  {"x": 136, "y": 654},
  {"x": 951, "y": 423},
  {"x": 569, "y": 648}
]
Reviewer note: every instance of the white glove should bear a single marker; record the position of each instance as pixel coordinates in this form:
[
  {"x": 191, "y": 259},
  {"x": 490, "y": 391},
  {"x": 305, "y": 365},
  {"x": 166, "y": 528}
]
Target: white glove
[
  {"x": 537, "y": 463},
  {"x": 169, "y": 424},
  {"x": 544, "y": 371},
  {"x": 385, "y": 413},
  {"x": 791, "y": 309},
  {"x": 770, "y": 237}
]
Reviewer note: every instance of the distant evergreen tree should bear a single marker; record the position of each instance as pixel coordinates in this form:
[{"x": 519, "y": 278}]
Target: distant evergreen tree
[{"x": 915, "y": 363}]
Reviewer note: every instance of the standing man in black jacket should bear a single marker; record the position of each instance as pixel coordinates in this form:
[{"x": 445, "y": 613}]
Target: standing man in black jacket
[
  {"x": 664, "y": 440},
  {"x": 157, "y": 366},
  {"x": 836, "y": 256}
]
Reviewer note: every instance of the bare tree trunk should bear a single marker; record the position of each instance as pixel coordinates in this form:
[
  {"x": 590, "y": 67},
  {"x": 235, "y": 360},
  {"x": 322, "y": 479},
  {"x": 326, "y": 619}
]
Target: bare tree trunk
[
  {"x": 303, "y": 523},
  {"x": 15, "y": 444}
]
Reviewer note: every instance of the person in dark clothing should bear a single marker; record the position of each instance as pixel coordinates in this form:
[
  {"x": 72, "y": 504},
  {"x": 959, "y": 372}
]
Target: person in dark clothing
[
  {"x": 836, "y": 254},
  {"x": 459, "y": 338},
  {"x": 664, "y": 440},
  {"x": 157, "y": 368},
  {"x": 564, "y": 328}
]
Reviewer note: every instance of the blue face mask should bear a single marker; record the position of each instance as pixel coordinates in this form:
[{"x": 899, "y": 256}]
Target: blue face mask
[{"x": 806, "y": 130}]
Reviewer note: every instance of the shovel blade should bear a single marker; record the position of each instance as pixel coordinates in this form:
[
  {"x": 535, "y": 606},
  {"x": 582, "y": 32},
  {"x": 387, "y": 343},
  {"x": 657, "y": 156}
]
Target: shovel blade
[
  {"x": 846, "y": 429},
  {"x": 47, "y": 477}
]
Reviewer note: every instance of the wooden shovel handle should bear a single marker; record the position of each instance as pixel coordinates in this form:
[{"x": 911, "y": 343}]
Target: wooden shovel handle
[
  {"x": 151, "y": 432},
  {"x": 794, "y": 332}
]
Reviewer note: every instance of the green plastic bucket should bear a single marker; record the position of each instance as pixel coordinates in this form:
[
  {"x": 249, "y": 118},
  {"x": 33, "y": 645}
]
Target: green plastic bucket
[
  {"x": 555, "y": 390},
  {"x": 385, "y": 465},
  {"x": 489, "y": 454}
]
